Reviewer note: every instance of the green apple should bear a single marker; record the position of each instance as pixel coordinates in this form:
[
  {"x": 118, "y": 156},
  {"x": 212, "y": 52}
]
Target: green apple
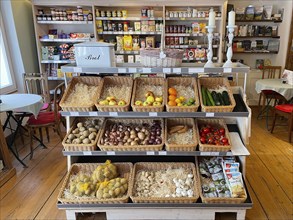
[
  {"x": 150, "y": 99},
  {"x": 157, "y": 104},
  {"x": 121, "y": 102},
  {"x": 139, "y": 103},
  {"x": 149, "y": 93},
  {"x": 146, "y": 103}
]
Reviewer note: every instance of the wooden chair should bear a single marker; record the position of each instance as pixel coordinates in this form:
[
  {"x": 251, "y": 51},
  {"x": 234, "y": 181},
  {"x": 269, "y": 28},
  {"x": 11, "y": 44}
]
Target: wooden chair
[
  {"x": 48, "y": 118},
  {"x": 286, "y": 111},
  {"x": 270, "y": 72}
]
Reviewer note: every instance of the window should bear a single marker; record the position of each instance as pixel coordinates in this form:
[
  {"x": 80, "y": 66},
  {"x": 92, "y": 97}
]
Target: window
[{"x": 7, "y": 82}]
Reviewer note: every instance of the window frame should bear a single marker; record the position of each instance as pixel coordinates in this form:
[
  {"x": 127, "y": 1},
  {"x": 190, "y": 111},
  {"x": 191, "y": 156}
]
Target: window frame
[{"x": 11, "y": 88}]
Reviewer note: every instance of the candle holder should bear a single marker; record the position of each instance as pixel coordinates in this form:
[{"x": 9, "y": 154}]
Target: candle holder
[
  {"x": 210, "y": 63},
  {"x": 229, "y": 54}
]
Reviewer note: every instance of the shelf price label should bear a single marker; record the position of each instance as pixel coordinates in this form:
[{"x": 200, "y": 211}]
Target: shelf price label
[
  {"x": 177, "y": 70},
  {"x": 122, "y": 70},
  {"x": 87, "y": 153},
  {"x": 209, "y": 153},
  {"x": 210, "y": 114},
  {"x": 153, "y": 114},
  {"x": 110, "y": 153},
  {"x": 150, "y": 153},
  {"x": 162, "y": 153},
  {"x": 74, "y": 114},
  {"x": 113, "y": 114}
]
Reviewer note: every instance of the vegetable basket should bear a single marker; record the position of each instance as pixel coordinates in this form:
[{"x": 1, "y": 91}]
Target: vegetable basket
[
  {"x": 156, "y": 166},
  {"x": 64, "y": 196}
]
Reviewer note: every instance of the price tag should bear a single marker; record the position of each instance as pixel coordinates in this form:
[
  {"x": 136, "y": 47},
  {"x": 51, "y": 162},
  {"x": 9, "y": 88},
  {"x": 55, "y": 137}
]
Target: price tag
[
  {"x": 113, "y": 114},
  {"x": 200, "y": 70},
  {"x": 177, "y": 46},
  {"x": 150, "y": 153},
  {"x": 110, "y": 152},
  {"x": 74, "y": 114},
  {"x": 153, "y": 114},
  {"x": 162, "y": 153},
  {"x": 177, "y": 70},
  {"x": 209, "y": 153},
  {"x": 87, "y": 153},
  {"x": 132, "y": 70},
  {"x": 227, "y": 70},
  {"x": 166, "y": 70},
  {"x": 210, "y": 114},
  {"x": 198, "y": 46},
  {"x": 93, "y": 113},
  {"x": 77, "y": 69},
  {"x": 122, "y": 70},
  {"x": 183, "y": 19},
  {"x": 147, "y": 70}
]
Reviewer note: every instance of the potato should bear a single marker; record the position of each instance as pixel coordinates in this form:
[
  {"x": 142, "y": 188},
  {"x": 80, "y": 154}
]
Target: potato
[
  {"x": 85, "y": 133},
  {"x": 92, "y": 130},
  {"x": 86, "y": 141},
  {"x": 82, "y": 137},
  {"x": 71, "y": 136},
  {"x": 92, "y": 135},
  {"x": 79, "y": 125},
  {"x": 81, "y": 128}
]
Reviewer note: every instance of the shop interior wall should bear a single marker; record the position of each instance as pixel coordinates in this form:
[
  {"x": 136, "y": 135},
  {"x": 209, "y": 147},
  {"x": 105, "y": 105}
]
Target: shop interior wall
[{"x": 276, "y": 59}]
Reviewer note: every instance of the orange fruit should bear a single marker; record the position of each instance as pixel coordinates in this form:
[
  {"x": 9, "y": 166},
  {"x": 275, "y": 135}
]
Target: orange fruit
[
  {"x": 172, "y": 103},
  {"x": 172, "y": 91},
  {"x": 172, "y": 97}
]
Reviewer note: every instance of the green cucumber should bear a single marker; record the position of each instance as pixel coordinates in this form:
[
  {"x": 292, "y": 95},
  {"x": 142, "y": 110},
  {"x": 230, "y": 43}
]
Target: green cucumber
[
  {"x": 215, "y": 98},
  {"x": 226, "y": 98},
  {"x": 210, "y": 98},
  {"x": 220, "y": 97},
  {"x": 203, "y": 95}
]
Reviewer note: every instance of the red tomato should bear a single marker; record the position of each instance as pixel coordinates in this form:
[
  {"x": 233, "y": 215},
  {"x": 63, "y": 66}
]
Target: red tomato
[
  {"x": 203, "y": 140},
  {"x": 206, "y": 130},
  {"x": 224, "y": 140},
  {"x": 210, "y": 140},
  {"x": 222, "y": 131}
]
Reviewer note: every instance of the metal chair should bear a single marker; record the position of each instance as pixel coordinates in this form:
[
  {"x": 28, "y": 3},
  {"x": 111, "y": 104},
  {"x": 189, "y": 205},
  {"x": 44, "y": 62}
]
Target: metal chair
[
  {"x": 48, "y": 118},
  {"x": 287, "y": 112}
]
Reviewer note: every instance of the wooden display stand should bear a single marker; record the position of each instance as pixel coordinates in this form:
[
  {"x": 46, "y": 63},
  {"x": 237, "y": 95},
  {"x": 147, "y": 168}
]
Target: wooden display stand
[{"x": 8, "y": 171}]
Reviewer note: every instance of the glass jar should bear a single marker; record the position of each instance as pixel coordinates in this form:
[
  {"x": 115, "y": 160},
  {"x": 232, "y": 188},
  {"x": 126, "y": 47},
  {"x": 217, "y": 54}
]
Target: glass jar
[
  {"x": 109, "y": 14},
  {"x": 119, "y": 14},
  {"x": 69, "y": 16},
  {"x": 40, "y": 11},
  {"x": 98, "y": 13},
  {"x": 80, "y": 17},
  {"x": 74, "y": 16},
  {"x": 114, "y": 14},
  {"x": 90, "y": 16},
  {"x": 79, "y": 10},
  {"x": 53, "y": 11},
  {"x": 125, "y": 26},
  {"x": 102, "y": 14}
]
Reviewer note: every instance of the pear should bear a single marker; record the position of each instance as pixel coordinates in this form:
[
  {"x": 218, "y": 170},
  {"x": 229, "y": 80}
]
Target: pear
[{"x": 150, "y": 99}]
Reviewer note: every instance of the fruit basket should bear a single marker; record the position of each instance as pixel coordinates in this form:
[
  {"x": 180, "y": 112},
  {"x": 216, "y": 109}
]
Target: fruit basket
[
  {"x": 183, "y": 131},
  {"x": 152, "y": 90},
  {"x": 151, "y": 57},
  {"x": 81, "y": 125},
  {"x": 157, "y": 166},
  {"x": 213, "y": 83},
  {"x": 182, "y": 94},
  {"x": 126, "y": 135},
  {"x": 204, "y": 128},
  {"x": 64, "y": 196},
  {"x": 218, "y": 200},
  {"x": 115, "y": 94},
  {"x": 76, "y": 96}
]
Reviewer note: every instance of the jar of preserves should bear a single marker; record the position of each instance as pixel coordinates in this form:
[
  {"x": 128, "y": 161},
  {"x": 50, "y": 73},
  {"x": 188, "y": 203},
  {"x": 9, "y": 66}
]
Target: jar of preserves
[
  {"x": 171, "y": 29},
  {"x": 97, "y": 13},
  {"x": 183, "y": 29},
  {"x": 74, "y": 16},
  {"x": 53, "y": 11},
  {"x": 120, "y": 27},
  {"x": 175, "y": 28},
  {"x": 69, "y": 16},
  {"x": 167, "y": 29},
  {"x": 172, "y": 41},
  {"x": 119, "y": 14},
  {"x": 90, "y": 16},
  {"x": 176, "y": 40},
  {"x": 167, "y": 40},
  {"x": 114, "y": 14}
]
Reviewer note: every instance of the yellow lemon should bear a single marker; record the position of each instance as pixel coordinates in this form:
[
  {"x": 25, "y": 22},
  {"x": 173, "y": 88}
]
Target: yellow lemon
[{"x": 177, "y": 100}]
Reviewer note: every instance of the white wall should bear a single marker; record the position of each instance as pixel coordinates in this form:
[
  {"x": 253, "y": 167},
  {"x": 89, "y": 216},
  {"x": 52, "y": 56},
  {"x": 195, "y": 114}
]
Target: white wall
[{"x": 276, "y": 59}]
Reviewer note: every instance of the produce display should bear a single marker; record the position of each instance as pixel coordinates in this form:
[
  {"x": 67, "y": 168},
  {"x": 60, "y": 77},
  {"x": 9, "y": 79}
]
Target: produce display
[
  {"x": 215, "y": 97},
  {"x": 82, "y": 94},
  {"x": 114, "y": 95},
  {"x": 220, "y": 177},
  {"x": 212, "y": 134},
  {"x": 85, "y": 132},
  {"x": 102, "y": 183},
  {"x": 181, "y": 96},
  {"x": 133, "y": 134},
  {"x": 164, "y": 183},
  {"x": 153, "y": 96},
  {"x": 180, "y": 135}
]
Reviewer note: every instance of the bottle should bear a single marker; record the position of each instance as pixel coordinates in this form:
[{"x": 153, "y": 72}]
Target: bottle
[{"x": 90, "y": 16}]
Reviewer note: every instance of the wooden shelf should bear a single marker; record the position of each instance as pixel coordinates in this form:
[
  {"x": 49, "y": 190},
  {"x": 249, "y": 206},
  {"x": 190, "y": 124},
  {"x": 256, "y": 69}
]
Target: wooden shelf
[
  {"x": 277, "y": 37},
  {"x": 262, "y": 52},
  {"x": 263, "y": 20}
]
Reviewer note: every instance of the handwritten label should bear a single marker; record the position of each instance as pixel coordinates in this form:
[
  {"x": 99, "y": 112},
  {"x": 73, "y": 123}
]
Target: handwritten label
[
  {"x": 176, "y": 70},
  {"x": 77, "y": 69},
  {"x": 146, "y": 70},
  {"x": 74, "y": 114},
  {"x": 166, "y": 70},
  {"x": 93, "y": 113},
  {"x": 92, "y": 57},
  {"x": 122, "y": 70}
]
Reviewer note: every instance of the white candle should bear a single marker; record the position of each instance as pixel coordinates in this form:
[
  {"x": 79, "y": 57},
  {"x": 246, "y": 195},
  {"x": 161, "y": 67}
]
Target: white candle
[
  {"x": 231, "y": 18},
  {"x": 212, "y": 17}
]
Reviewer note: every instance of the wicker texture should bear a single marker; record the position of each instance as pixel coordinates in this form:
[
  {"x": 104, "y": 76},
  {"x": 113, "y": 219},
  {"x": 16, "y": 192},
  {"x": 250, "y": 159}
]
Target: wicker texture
[
  {"x": 81, "y": 147},
  {"x": 115, "y": 81},
  {"x": 210, "y": 147},
  {"x": 138, "y": 82},
  {"x": 124, "y": 170},
  {"x": 151, "y": 57},
  {"x": 143, "y": 166},
  {"x": 181, "y": 147},
  {"x": 129, "y": 147},
  {"x": 182, "y": 81},
  {"x": 218, "y": 200},
  {"x": 211, "y": 83},
  {"x": 90, "y": 81}
]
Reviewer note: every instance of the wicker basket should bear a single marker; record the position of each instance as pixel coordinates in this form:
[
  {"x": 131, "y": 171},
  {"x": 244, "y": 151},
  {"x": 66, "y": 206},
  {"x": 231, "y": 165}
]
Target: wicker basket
[
  {"x": 108, "y": 122},
  {"x": 180, "y": 147},
  {"x": 211, "y": 83},
  {"x": 183, "y": 81},
  {"x": 151, "y": 57},
  {"x": 116, "y": 81},
  {"x": 219, "y": 200},
  {"x": 143, "y": 166},
  {"x": 124, "y": 170},
  {"x": 91, "y": 81},
  {"x": 138, "y": 83},
  {"x": 81, "y": 147},
  {"x": 210, "y": 147}
]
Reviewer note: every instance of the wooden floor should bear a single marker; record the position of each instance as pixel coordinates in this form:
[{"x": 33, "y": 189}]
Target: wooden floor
[{"x": 32, "y": 193}]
